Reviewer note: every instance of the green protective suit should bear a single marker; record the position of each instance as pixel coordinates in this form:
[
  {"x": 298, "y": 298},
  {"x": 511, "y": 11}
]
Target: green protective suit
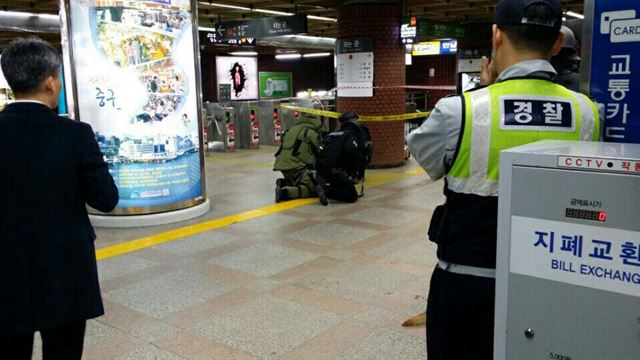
[{"x": 297, "y": 157}]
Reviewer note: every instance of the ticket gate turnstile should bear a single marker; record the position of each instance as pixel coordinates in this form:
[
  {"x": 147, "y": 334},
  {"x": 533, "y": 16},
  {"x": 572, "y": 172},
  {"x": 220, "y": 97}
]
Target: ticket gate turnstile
[
  {"x": 247, "y": 124},
  {"x": 270, "y": 122},
  {"x": 220, "y": 127}
]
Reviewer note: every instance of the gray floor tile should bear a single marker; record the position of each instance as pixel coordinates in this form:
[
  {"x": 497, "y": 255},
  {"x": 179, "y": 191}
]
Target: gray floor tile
[
  {"x": 150, "y": 352},
  {"x": 265, "y": 224},
  {"x": 329, "y": 234},
  {"x": 264, "y": 259},
  {"x": 268, "y": 327},
  {"x": 167, "y": 293},
  {"x": 197, "y": 243},
  {"x": 362, "y": 283},
  {"x": 387, "y": 344},
  {"x": 121, "y": 265},
  {"x": 384, "y": 216}
]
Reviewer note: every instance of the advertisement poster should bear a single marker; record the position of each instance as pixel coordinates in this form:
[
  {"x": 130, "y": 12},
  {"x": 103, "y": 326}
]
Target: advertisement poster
[
  {"x": 241, "y": 73},
  {"x": 275, "y": 85},
  {"x": 615, "y": 71},
  {"x": 135, "y": 76}
]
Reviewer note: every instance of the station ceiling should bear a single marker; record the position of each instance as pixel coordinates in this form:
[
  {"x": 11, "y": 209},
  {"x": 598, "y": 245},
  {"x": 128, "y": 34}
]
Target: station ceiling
[{"x": 459, "y": 11}]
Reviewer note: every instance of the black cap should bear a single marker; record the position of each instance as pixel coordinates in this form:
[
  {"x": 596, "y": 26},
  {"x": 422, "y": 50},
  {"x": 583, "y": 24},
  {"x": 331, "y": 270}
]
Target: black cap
[{"x": 510, "y": 12}]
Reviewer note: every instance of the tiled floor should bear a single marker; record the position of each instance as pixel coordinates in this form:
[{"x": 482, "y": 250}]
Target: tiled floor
[{"x": 312, "y": 282}]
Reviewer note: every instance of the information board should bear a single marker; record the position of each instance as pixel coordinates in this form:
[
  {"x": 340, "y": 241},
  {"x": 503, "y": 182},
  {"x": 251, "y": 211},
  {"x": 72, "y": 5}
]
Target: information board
[
  {"x": 136, "y": 83},
  {"x": 224, "y": 92},
  {"x": 355, "y": 70},
  {"x": 612, "y": 60}
]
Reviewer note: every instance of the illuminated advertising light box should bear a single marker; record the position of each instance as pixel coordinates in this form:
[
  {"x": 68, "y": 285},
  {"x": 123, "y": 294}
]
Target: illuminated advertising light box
[
  {"x": 135, "y": 79},
  {"x": 436, "y": 47},
  {"x": 241, "y": 73},
  {"x": 275, "y": 85},
  {"x": 426, "y": 48}
]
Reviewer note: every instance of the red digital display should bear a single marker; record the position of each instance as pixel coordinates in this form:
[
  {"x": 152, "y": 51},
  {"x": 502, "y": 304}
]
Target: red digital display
[{"x": 585, "y": 214}]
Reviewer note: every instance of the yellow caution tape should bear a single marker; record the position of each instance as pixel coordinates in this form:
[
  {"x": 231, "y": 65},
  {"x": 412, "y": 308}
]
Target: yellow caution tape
[{"x": 363, "y": 118}]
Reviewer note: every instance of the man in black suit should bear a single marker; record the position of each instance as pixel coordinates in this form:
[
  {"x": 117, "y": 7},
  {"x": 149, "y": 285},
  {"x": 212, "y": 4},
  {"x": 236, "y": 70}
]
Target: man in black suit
[{"x": 50, "y": 167}]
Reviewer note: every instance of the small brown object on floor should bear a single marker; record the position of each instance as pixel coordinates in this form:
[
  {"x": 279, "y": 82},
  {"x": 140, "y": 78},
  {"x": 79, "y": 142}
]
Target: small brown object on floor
[{"x": 419, "y": 319}]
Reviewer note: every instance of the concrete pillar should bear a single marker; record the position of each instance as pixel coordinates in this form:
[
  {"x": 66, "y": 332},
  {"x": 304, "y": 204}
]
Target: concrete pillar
[{"x": 379, "y": 20}]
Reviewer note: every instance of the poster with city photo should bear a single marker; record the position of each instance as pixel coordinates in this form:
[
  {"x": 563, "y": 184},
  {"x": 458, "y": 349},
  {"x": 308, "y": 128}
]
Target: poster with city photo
[
  {"x": 136, "y": 78},
  {"x": 241, "y": 73}
]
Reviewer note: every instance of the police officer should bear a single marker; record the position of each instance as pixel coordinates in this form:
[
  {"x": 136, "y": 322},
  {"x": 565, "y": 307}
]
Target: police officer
[
  {"x": 296, "y": 158},
  {"x": 567, "y": 62},
  {"x": 462, "y": 140},
  {"x": 342, "y": 159}
]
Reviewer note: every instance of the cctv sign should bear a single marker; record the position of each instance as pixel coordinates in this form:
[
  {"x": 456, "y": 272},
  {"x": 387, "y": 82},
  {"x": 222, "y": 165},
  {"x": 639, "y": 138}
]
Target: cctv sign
[{"x": 611, "y": 64}]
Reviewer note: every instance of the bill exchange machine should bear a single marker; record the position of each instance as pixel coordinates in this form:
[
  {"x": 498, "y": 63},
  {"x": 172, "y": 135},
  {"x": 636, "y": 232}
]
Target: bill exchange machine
[{"x": 568, "y": 266}]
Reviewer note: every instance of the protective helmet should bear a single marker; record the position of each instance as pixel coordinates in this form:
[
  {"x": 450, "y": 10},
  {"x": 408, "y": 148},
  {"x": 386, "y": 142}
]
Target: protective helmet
[
  {"x": 569, "y": 38},
  {"x": 569, "y": 44},
  {"x": 348, "y": 116}
]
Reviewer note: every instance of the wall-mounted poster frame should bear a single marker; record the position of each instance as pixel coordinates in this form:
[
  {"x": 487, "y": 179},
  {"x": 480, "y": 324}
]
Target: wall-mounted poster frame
[{"x": 133, "y": 74}]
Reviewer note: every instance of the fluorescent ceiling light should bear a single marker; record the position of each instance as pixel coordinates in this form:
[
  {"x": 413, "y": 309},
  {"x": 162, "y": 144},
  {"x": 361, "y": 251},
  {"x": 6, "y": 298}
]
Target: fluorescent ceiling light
[
  {"x": 287, "y": 56},
  {"x": 19, "y": 14},
  {"x": 273, "y": 12},
  {"x": 313, "y": 17},
  {"x": 574, "y": 14},
  {"x": 244, "y": 53},
  {"x": 310, "y": 37},
  {"x": 265, "y": 11},
  {"x": 317, "y": 54},
  {"x": 225, "y": 6}
]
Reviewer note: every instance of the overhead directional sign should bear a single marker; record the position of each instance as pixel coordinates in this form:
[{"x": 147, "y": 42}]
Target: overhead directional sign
[
  {"x": 213, "y": 37},
  {"x": 246, "y": 31}
]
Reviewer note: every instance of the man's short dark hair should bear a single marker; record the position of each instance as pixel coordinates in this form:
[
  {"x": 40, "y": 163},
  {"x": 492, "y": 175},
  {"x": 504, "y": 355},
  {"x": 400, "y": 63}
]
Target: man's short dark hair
[
  {"x": 528, "y": 37},
  {"x": 26, "y": 62}
]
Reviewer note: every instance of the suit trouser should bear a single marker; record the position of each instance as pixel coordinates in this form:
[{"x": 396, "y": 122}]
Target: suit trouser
[
  {"x": 460, "y": 320},
  {"x": 63, "y": 343},
  {"x": 299, "y": 183},
  {"x": 337, "y": 188}
]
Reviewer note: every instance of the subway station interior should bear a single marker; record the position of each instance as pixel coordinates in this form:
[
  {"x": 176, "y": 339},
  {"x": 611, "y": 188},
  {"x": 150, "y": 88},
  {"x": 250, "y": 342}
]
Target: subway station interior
[{"x": 191, "y": 102}]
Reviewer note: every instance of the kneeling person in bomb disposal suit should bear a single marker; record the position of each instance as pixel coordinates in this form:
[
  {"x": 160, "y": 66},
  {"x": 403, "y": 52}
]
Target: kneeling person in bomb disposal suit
[
  {"x": 296, "y": 158},
  {"x": 342, "y": 160}
]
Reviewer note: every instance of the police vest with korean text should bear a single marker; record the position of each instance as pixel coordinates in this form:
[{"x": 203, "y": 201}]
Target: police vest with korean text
[{"x": 504, "y": 115}]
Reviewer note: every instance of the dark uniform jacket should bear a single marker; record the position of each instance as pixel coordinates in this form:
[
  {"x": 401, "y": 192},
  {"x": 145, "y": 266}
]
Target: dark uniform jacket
[
  {"x": 342, "y": 152},
  {"x": 50, "y": 167}
]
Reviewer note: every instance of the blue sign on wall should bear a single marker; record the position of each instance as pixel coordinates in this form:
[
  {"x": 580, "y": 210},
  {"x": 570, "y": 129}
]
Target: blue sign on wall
[
  {"x": 615, "y": 67},
  {"x": 448, "y": 47}
]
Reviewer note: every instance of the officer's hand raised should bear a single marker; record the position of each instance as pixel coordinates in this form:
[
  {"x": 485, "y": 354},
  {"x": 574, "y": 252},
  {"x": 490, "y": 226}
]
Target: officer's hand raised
[{"x": 488, "y": 73}]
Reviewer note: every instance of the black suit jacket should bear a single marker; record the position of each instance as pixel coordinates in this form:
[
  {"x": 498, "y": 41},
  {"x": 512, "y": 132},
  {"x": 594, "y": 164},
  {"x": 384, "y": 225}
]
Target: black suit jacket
[{"x": 50, "y": 167}]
